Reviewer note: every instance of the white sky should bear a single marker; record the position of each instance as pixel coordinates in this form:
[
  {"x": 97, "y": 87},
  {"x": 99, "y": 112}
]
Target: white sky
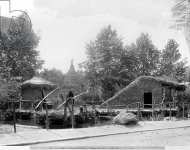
[{"x": 65, "y": 26}]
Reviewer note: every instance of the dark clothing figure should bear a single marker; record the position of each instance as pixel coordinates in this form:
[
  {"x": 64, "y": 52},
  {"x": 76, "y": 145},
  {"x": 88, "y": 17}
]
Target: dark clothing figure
[{"x": 70, "y": 94}]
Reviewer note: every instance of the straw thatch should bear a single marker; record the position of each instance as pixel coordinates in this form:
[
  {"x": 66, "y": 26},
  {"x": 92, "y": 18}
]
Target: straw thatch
[
  {"x": 38, "y": 82},
  {"x": 135, "y": 90}
]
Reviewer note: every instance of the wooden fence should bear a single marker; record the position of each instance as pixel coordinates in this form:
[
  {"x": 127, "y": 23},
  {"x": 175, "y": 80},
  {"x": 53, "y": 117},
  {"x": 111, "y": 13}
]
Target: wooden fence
[{"x": 139, "y": 107}]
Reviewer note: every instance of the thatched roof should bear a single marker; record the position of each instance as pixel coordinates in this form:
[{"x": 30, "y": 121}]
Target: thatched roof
[
  {"x": 128, "y": 90},
  {"x": 163, "y": 81},
  {"x": 38, "y": 82}
]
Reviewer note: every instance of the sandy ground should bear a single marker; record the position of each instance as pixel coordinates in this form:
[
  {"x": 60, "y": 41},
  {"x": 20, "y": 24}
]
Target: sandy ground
[
  {"x": 122, "y": 138},
  {"x": 144, "y": 140},
  {"x": 7, "y": 128}
]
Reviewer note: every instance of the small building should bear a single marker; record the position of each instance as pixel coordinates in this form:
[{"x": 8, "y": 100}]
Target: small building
[
  {"x": 147, "y": 90},
  {"x": 33, "y": 90}
]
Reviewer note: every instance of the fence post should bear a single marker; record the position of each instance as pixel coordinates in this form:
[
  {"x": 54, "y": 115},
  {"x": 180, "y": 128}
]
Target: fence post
[
  {"x": 170, "y": 111},
  {"x": 153, "y": 111},
  {"x": 187, "y": 110},
  {"x": 72, "y": 114},
  {"x": 138, "y": 113},
  {"x": 162, "y": 110},
  {"x": 108, "y": 108},
  {"x": 183, "y": 110},
  {"x": 47, "y": 119},
  {"x": 14, "y": 117},
  {"x": 127, "y": 109},
  {"x": 34, "y": 115}
]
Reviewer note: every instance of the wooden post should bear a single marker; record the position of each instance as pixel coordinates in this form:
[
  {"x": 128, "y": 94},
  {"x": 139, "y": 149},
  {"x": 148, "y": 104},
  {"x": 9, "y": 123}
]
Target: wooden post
[
  {"x": 138, "y": 112},
  {"x": 65, "y": 107},
  {"x": 34, "y": 115},
  {"x": 170, "y": 111},
  {"x": 107, "y": 107},
  {"x": 14, "y": 117},
  {"x": 47, "y": 119},
  {"x": 20, "y": 104},
  {"x": 162, "y": 110},
  {"x": 153, "y": 111},
  {"x": 127, "y": 109},
  {"x": 72, "y": 113},
  {"x": 95, "y": 119},
  {"x": 183, "y": 110},
  {"x": 187, "y": 110}
]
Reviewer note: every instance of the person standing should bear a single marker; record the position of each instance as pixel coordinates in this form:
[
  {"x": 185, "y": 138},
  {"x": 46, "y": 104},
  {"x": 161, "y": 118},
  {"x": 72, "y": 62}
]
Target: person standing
[{"x": 70, "y": 99}]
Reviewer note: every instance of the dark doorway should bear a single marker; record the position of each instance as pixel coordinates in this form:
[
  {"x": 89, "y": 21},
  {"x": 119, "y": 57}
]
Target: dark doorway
[{"x": 148, "y": 100}]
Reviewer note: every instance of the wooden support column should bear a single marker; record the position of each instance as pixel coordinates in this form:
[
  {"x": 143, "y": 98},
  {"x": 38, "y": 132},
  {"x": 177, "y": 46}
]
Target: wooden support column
[
  {"x": 170, "y": 105},
  {"x": 108, "y": 109},
  {"x": 72, "y": 113},
  {"x": 47, "y": 119},
  {"x": 14, "y": 116},
  {"x": 34, "y": 115},
  {"x": 153, "y": 111},
  {"x": 46, "y": 108},
  {"x": 138, "y": 113},
  {"x": 20, "y": 104},
  {"x": 173, "y": 95},
  {"x": 65, "y": 107},
  {"x": 183, "y": 106},
  {"x": 163, "y": 94}
]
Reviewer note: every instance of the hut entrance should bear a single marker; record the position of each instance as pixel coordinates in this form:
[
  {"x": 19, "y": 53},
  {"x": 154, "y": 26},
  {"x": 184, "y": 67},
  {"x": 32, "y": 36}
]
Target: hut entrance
[{"x": 148, "y": 100}]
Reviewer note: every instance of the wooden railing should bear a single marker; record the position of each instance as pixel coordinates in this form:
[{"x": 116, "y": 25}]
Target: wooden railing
[{"x": 141, "y": 105}]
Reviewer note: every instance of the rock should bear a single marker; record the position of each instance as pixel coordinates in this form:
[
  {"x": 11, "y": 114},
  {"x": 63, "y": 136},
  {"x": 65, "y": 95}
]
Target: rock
[
  {"x": 168, "y": 118},
  {"x": 124, "y": 118}
]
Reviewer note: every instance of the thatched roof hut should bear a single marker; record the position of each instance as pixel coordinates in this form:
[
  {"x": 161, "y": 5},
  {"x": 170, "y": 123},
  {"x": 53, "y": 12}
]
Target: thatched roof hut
[
  {"x": 34, "y": 90},
  {"x": 146, "y": 87}
]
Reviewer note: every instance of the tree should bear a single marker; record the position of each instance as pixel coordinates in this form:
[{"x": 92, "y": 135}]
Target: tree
[
  {"x": 103, "y": 62},
  {"x": 129, "y": 60},
  {"x": 180, "y": 71},
  {"x": 18, "y": 58},
  {"x": 53, "y": 75},
  {"x": 181, "y": 15},
  {"x": 170, "y": 64},
  {"x": 18, "y": 55},
  {"x": 147, "y": 55}
]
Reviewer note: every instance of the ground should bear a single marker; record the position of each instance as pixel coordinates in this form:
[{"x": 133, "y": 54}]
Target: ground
[
  {"x": 8, "y": 128},
  {"x": 146, "y": 135},
  {"x": 154, "y": 139}
]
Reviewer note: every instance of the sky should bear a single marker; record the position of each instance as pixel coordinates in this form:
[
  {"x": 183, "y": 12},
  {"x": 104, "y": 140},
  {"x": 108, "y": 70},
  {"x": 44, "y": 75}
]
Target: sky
[{"x": 66, "y": 26}]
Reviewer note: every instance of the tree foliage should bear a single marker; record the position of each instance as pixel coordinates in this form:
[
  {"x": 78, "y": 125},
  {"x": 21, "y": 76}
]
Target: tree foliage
[
  {"x": 18, "y": 58},
  {"x": 53, "y": 75},
  {"x": 104, "y": 55},
  {"x": 170, "y": 63},
  {"x": 181, "y": 16},
  {"x": 18, "y": 55},
  {"x": 147, "y": 55}
]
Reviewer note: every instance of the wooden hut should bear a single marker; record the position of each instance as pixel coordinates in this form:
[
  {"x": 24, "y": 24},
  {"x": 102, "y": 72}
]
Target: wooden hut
[
  {"x": 147, "y": 90},
  {"x": 33, "y": 90}
]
